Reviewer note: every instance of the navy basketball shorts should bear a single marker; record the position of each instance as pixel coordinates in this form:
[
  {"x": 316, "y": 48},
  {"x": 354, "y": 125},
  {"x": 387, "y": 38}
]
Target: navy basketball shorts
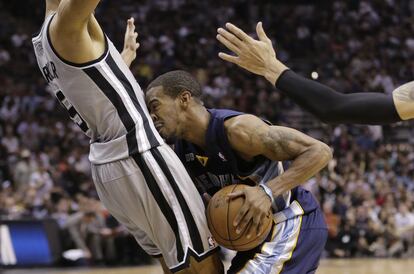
[{"x": 293, "y": 247}]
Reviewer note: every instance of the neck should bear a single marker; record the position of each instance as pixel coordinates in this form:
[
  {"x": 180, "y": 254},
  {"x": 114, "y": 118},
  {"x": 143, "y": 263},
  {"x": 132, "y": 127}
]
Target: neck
[{"x": 196, "y": 134}]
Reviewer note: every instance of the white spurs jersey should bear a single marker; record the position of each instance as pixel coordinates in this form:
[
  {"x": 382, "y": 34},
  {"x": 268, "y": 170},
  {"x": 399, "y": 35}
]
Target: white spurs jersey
[{"x": 102, "y": 97}]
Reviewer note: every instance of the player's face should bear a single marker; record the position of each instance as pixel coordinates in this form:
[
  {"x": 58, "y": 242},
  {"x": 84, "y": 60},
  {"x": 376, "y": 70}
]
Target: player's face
[{"x": 164, "y": 112}]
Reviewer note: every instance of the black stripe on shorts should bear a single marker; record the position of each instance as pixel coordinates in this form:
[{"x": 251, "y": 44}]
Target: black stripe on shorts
[
  {"x": 161, "y": 201},
  {"x": 191, "y": 224},
  {"x": 116, "y": 100},
  {"x": 128, "y": 87}
]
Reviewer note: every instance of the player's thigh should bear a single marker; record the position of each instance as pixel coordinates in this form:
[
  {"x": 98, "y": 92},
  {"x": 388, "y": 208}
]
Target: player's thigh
[{"x": 121, "y": 188}]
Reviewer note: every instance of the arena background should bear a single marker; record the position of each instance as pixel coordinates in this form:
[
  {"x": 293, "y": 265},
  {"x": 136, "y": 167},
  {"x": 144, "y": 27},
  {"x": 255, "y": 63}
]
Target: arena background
[{"x": 48, "y": 205}]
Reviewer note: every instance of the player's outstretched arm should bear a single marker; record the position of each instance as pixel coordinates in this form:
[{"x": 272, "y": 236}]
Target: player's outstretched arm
[
  {"x": 331, "y": 106},
  {"x": 129, "y": 52},
  {"x": 249, "y": 136},
  {"x": 258, "y": 56},
  {"x": 72, "y": 15}
]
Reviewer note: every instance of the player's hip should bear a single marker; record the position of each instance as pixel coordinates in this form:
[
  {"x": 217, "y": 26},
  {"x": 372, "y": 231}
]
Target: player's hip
[{"x": 288, "y": 240}]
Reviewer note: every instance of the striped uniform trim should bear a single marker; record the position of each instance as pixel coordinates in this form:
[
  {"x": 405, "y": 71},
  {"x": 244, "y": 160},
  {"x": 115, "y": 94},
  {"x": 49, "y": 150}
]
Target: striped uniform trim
[
  {"x": 276, "y": 252},
  {"x": 191, "y": 224},
  {"x": 191, "y": 254},
  {"x": 279, "y": 249},
  {"x": 294, "y": 209},
  {"x": 116, "y": 100},
  {"x": 128, "y": 87},
  {"x": 162, "y": 203},
  {"x": 117, "y": 88},
  {"x": 284, "y": 260}
]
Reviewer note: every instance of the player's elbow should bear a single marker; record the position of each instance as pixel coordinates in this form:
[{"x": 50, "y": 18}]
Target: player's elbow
[{"x": 324, "y": 154}]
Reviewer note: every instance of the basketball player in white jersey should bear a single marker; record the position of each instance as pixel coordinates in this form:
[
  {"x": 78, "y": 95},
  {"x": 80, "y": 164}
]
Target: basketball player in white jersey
[{"x": 139, "y": 179}]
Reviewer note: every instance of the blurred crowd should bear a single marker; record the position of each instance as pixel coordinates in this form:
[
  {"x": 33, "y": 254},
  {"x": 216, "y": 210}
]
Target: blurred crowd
[
  {"x": 355, "y": 46},
  {"x": 367, "y": 195}
]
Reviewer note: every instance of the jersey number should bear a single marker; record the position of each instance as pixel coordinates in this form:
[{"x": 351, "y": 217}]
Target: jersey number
[{"x": 74, "y": 115}]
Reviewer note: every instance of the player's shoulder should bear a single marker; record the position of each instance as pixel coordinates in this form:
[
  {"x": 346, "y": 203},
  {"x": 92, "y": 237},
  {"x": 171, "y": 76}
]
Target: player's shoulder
[
  {"x": 241, "y": 122},
  {"x": 222, "y": 113},
  {"x": 241, "y": 131}
]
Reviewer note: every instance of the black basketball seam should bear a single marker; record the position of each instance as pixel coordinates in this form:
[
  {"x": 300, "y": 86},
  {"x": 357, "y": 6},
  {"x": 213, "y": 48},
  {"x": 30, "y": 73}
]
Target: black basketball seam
[
  {"x": 227, "y": 225},
  {"x": 209, "y": 221},
  {"x": 229, "y": 239}
]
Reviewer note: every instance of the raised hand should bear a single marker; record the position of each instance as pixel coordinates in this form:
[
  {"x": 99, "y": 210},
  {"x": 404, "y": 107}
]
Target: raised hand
[
  {"x": 129, "y": 53},
  {"x": 256, "y": 56}
]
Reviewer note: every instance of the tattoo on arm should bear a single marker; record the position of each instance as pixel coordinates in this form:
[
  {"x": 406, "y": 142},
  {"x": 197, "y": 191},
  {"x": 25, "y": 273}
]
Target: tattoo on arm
[{"x": 280, "y": 143}]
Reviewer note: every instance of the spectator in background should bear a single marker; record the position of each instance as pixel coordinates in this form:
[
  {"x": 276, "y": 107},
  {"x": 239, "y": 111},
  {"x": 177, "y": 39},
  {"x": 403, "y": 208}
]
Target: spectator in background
[{"x": 360, "y": 45}]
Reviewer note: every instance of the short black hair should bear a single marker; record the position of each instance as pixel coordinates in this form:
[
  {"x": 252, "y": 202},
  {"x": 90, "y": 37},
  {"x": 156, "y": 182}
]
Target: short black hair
[{"x": 175, "y": 82}]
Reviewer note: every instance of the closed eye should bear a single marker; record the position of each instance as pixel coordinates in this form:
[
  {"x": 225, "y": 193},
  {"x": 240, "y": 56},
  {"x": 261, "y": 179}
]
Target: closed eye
[{"x": 153, "y": 106}]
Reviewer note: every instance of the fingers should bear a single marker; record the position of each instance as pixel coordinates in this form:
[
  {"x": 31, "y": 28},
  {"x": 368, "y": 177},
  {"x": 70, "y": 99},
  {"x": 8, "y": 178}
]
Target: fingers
[
  {"x": 231, "y": 46},
  {"x": 260, "y": 226},
  {"x": 255, "y": 226},
  {"x": 241, "y": 214},
  {"x": 235, "y": 194},
  {"x": 229, "y": 58},
  {"x": 231, "y": 38},
  {"x": 244, "y": 222},
  {"x": 130, "y": 24},
  {"x": 238, "y": 32},
  {"x": 261, "y": 33}
]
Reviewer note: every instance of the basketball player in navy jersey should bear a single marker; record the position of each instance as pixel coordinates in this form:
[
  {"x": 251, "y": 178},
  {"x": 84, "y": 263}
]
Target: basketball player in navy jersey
[
  {"x": 221, "y": 147},
  {"x": 138, "y": 177},
  {"x": 259, "y": 57}
]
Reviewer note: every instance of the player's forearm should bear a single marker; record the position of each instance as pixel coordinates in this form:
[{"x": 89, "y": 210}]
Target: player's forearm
[
  {"x": 305, "y": 166},
  {"x": 333, "y": 107}
]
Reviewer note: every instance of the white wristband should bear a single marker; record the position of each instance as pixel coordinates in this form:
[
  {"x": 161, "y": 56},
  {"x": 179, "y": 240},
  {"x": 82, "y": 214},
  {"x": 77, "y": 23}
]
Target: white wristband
[{"x": 268, "y": 192}]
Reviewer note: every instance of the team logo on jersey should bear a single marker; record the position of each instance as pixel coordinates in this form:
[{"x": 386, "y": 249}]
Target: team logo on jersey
[
  {"x": 189, "y": 157},
  {"x": 222, "y": 157},
  {"x": 202, "y": 159},
  {"x": 211, "y": 242}
]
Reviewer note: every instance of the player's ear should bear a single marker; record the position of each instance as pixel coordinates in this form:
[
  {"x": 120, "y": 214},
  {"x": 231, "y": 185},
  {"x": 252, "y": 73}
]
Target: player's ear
[{"x": 185, "y": 98}]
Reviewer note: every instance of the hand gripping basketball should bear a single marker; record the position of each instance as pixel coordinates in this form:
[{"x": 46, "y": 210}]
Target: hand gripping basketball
[{"x": 249, "y": 230}]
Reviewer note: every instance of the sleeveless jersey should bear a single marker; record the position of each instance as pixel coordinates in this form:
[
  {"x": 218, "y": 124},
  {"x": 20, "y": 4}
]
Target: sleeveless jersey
[
  {"x": 102, "y": 97},
  {"x": 219, "y": 166}
]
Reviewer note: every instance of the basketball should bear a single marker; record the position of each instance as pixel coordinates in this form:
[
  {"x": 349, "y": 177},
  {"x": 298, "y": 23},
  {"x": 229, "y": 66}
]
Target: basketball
[{"x": 220, "y": 215}]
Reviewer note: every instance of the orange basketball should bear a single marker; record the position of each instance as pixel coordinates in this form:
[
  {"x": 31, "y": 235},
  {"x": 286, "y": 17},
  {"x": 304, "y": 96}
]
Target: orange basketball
[{"x": 220, "y": 216}]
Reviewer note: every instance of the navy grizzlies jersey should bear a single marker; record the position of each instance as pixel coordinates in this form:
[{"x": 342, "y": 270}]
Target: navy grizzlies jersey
[{"x": 219, "y": 165}]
